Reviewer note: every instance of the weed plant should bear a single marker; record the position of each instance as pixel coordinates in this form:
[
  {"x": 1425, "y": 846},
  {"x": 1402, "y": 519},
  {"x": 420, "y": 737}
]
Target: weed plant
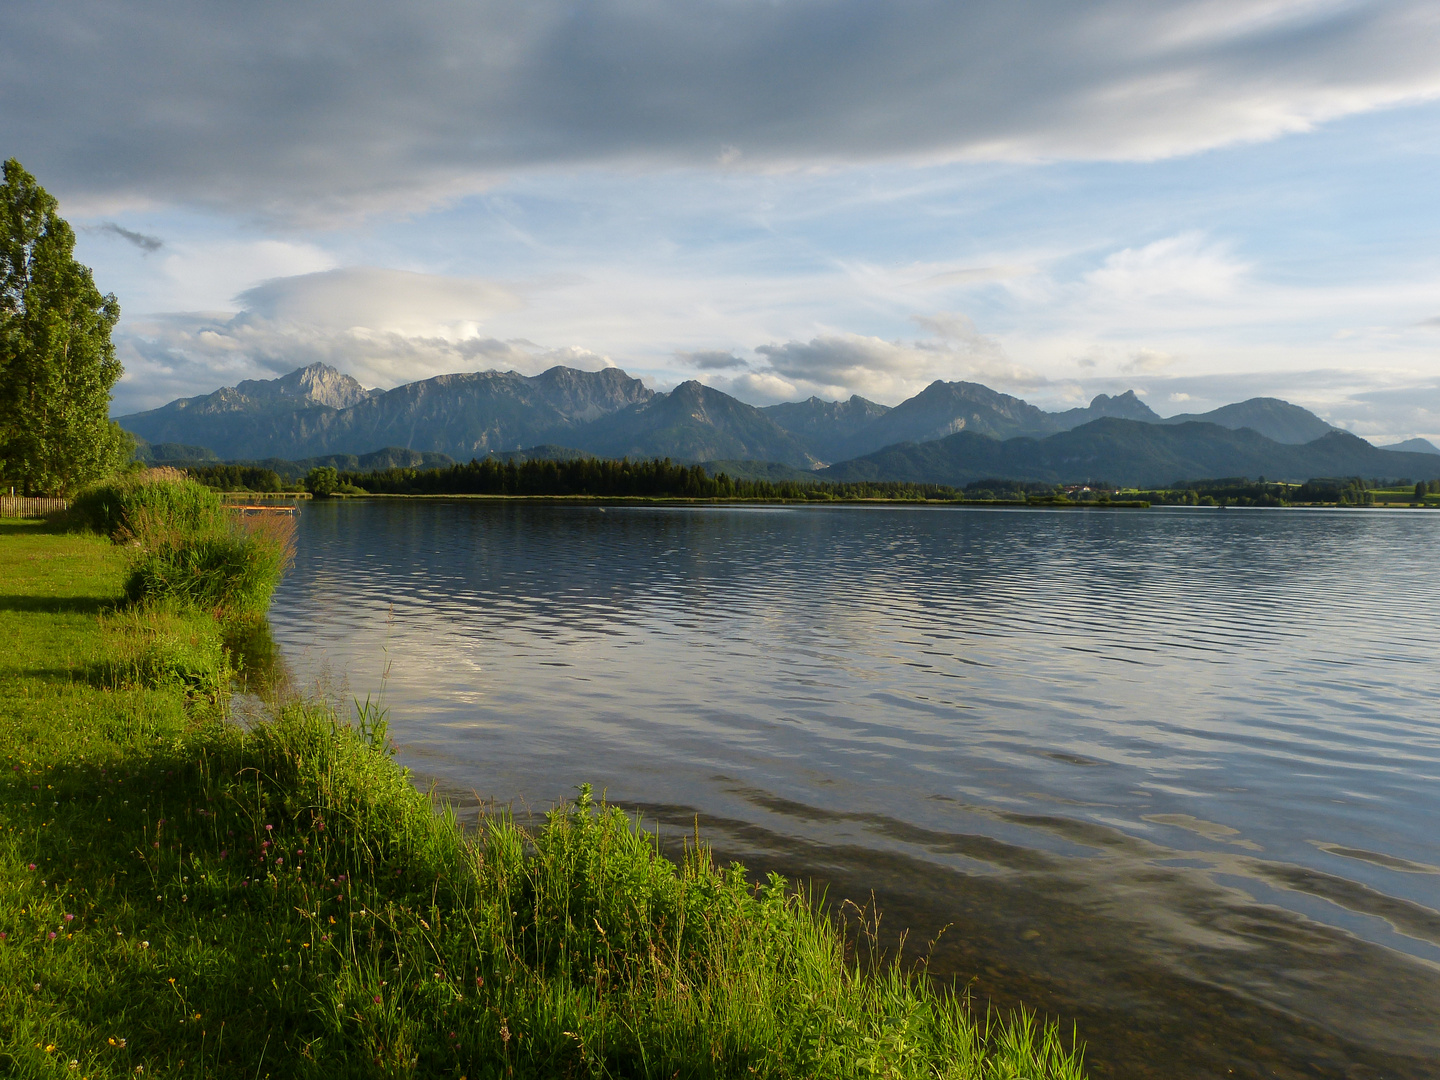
[{"x": 181, "y": 895}]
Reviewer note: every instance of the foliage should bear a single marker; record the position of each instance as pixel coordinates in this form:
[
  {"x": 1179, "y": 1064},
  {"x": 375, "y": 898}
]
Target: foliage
[
  {"x": 57, "y": 363},
  {"x": 619, "y": 479},
  {"x": 160, "y": 649},
  {"x": 321, "y": 481},
  {"x": 186, "y": 547},
  {"x": 237, "y": 477},
  {"x": 232, "y": 572},
  {"x": 116, "y": 507},
  {"x": 189, "y": 896}
]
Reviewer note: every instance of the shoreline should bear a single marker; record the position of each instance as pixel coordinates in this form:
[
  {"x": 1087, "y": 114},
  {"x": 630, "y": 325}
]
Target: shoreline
[{"x": 281, "y": 896}]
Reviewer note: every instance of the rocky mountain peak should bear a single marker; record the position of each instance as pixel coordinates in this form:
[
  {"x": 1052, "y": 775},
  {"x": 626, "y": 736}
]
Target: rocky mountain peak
[{"x": 317, "y": 384}]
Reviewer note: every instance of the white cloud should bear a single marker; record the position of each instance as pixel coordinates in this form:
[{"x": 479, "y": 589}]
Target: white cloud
[
  {"x": 384, "y": 327},
  {"x": 1185, "y": 266},
  {"x": 207, "y": 276},
  {"x": 380, "y": 301}
]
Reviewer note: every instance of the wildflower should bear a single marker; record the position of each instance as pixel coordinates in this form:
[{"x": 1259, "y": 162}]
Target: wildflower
[
  {"x": 32, "y": 866},
  {"x": 269, "y": 828},
  {"x": 224, "y": 853},
  {"x": 280, "y": 860},
  {"x": 3, "y": 935},
  {"x": 69, "y": 918},
  {"x": 377, "y": 999},
  {"x": 50, "y": 1049},
  {"x": 52, "y": 935},
  {"x": 144, "y": 944},
  {"x": 74, "y": 1064},
  {"x": 37, "y": 988}
]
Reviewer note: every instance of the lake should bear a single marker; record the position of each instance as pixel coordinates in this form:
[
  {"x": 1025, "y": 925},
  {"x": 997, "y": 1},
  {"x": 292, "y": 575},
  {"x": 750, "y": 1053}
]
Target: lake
[{"x": 1173, "y": 774}]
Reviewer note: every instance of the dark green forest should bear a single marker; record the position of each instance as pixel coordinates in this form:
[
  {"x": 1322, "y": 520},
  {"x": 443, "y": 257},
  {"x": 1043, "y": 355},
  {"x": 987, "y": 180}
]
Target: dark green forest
[{"x": 605, "y": 478}]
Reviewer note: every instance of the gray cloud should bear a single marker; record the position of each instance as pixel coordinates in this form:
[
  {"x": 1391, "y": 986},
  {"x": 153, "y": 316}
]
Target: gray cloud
[
  {"x": 143, "y": 241},
  {"x": 889, "y": 371},
  {"x": 711, "y": 360},
  {"x": 303, "y": 110}
]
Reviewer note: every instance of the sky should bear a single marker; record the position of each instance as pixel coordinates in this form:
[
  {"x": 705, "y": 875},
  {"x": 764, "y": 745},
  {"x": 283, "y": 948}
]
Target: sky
[{"x": 1202, "y": 201}]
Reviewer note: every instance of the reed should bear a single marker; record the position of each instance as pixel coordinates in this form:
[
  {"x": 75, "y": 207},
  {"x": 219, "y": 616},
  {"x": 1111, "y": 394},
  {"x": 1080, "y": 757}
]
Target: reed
[{"x": 186, "y": 548}]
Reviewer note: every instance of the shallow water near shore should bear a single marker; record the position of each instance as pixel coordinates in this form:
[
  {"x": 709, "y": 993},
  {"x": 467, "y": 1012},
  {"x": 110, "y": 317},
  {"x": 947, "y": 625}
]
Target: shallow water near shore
[{"x": 1174, "y": 774}]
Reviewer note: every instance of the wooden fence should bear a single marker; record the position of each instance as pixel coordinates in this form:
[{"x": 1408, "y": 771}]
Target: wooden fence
[{"x": 20, "y": 506}]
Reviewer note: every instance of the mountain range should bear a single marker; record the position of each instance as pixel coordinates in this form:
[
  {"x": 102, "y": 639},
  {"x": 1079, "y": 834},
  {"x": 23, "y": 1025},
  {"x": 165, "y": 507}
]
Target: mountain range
[{"x": 956, "y": 430}]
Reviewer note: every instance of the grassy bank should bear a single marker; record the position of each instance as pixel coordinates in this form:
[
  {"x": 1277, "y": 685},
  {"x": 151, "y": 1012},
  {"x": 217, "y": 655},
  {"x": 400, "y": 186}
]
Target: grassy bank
[{"x": 181, "y": 895}]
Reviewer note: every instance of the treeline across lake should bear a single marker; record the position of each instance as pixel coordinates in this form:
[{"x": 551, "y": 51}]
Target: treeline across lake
[
  {"x": 1321, "y": 491},
  {"x": 595, "y": 477}
]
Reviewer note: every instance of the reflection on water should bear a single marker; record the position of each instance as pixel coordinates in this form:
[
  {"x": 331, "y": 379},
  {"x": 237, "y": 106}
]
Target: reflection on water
[{"x": 1172, "y": 773}]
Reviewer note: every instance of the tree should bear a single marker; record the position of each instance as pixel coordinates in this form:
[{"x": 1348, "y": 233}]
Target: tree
[
  {"x": 57, "y": 364},
  {"x": 323, "y": 480},
  {"x": 1420, "y": 490}
]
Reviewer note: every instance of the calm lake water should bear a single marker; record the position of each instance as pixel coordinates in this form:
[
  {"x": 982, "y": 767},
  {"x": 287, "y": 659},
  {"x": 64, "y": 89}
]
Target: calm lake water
[{"x": 1172, "y": 774}]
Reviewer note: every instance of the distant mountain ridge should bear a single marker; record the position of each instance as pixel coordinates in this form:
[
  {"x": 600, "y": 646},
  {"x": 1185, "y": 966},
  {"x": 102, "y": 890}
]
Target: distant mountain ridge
[
  {"x": 461, "y": 415},
  {"x": 1131, "y": 453},
  {"x": 318, "y": 411},
  {"x": 1414, "y": 446}
]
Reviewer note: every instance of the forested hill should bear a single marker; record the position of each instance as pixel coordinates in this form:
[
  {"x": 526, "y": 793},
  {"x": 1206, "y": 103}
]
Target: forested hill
[{"x": 1131, "y": 453}]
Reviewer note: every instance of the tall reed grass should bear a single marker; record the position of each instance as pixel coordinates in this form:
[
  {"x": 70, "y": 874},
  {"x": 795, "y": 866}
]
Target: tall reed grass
[
  {"x": 187, "y": 548},
  {"x": 576, "y": 950}
]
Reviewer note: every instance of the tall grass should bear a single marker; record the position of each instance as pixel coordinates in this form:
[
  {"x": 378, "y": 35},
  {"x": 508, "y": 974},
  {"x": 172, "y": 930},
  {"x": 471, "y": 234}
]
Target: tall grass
[
  {"x": 187, "y": 548},
  {"x": 181, "y": 895},
  {"x": 119, "y": 508},
  {"x": 574, "y": 950}
]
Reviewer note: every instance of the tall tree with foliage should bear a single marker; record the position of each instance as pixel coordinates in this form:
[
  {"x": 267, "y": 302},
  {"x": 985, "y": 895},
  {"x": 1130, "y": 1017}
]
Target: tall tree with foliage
[{"x": 57, "y": 364}]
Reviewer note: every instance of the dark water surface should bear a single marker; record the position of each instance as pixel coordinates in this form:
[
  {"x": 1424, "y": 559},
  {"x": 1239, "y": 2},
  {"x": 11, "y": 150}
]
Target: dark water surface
[{"x": 1173, "y": 774}]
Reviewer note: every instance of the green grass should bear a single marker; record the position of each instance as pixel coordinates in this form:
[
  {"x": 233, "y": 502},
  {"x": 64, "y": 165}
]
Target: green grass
[{"x": 184, "y": 896}]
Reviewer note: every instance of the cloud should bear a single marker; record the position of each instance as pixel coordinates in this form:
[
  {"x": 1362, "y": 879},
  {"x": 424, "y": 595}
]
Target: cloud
[
  {"x": 1145, "y": 360},
  {"x": 972, "y": 275},
  {"x": 757, "y": 387},
  {"x": 380, "y": 300},
  {"x": 144, "y": 242},
  {"x": 711, "y": 360},
  {"x": 837, "y": 365},
  {"x": 304, "y": 111},
  {"x": 1188, "y": 265},
  {"x": 384, "y": 327}
]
